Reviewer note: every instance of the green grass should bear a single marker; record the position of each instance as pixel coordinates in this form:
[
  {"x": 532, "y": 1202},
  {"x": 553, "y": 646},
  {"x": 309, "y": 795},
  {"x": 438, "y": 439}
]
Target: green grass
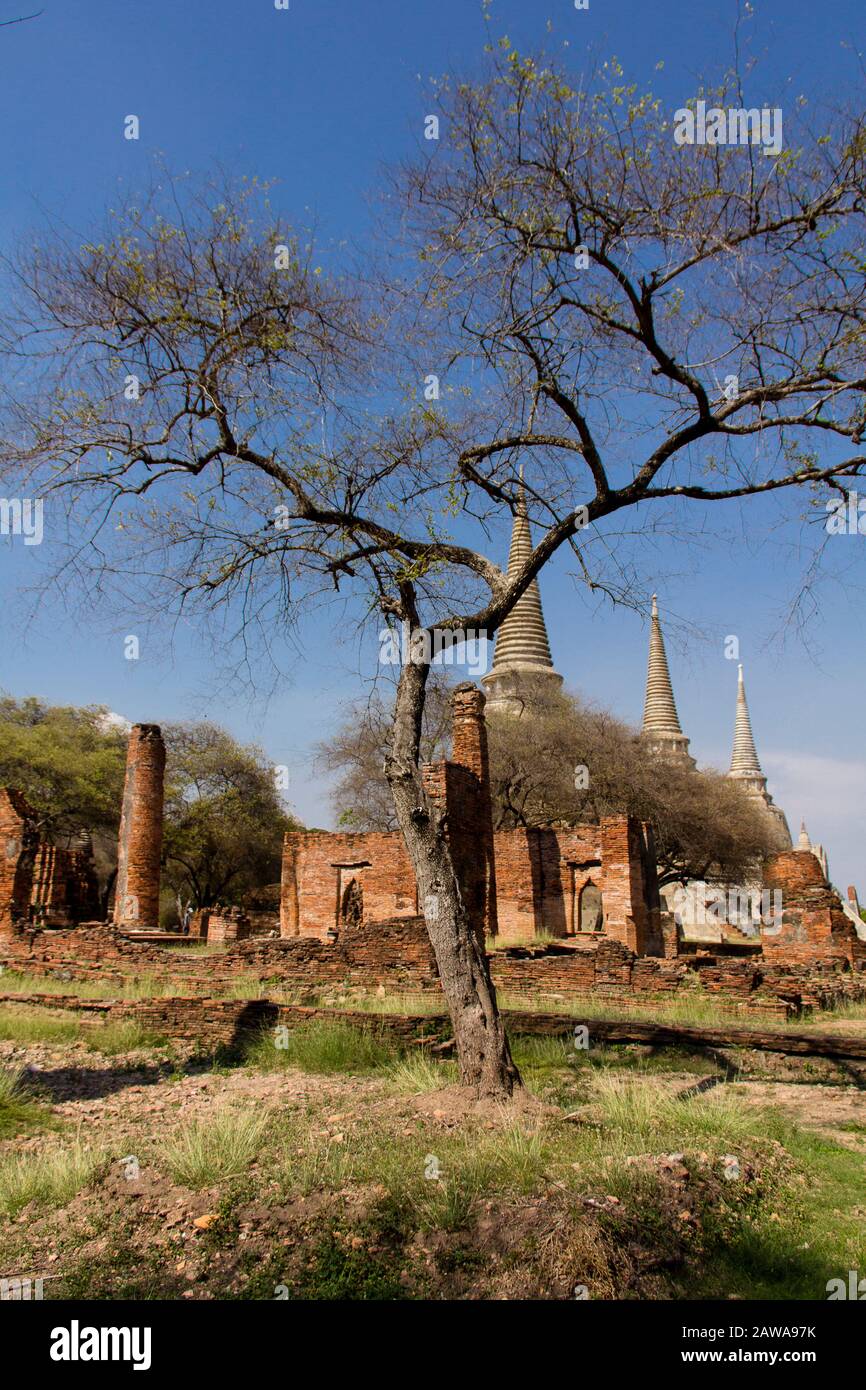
[
  {"x": 791, "y": 1221},
  {"x": 780, "y": 1232},
  {"x": 419, "y": 1072},
  {"x": 50, "y": 1178},
  {"x": 145, "y": 986},
  {"x": 690, "y": 1009},
  {"x": 433, "y": 1182},
  {"x": 116, "y": 1037},
  {"x": 324, "y": 1046},
  {"x": 804, "y": 1230},
  {"x": 856, "y": 1013},
  {"x": 636, "y": 1111},
  {"x": 399, "y": 1003},
  {"x": 213, "y": 1149},
  {"x": 336, "y": 1270},
  {"x": 20, "y": 1113},
  {"x": 23, "y": 1023}
]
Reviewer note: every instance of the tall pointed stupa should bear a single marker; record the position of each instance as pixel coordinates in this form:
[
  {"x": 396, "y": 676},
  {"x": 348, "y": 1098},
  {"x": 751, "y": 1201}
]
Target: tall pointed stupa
[
  {"x": 522, "y": 664},
  {"x": 745, "y": 764},
  {"x": 661, "y": 723}
]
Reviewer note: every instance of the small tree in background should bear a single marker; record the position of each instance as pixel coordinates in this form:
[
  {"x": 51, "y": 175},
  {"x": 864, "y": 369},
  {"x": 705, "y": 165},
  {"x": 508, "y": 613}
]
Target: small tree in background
[
  {"x": 361, "y": 798},
  {"x": 68, "y": 762},
  {"x": 224, "y": 820}
]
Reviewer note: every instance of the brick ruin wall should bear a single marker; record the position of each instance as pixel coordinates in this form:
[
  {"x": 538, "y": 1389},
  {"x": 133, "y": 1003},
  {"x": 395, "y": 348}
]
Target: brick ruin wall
[
  {"x": 396, "y": 956},
  {"x": 65, "y": 889},
  {"x": 319, "y": 868},
  {"x": 814, "y": 928},
  {"x": 19, "y": 844},
  {"x": 349, "y": 915},
  {"x": 206, "y": 1025},
  {"x": 533, "y": 884}
]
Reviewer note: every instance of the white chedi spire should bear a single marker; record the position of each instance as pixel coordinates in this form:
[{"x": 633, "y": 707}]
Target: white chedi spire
[
  {"x": 522, "y": 665},
  {"x": 661, "y": 723},
  {"x": 746, "y": 765},
  {"x": 744, "y": 759},
  {"x": 522, "y": 639},
  {"x": 804, "y": 844}
]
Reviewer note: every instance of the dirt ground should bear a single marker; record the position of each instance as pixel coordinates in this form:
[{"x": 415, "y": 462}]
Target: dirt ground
[{"x": 148, "y": 1236}]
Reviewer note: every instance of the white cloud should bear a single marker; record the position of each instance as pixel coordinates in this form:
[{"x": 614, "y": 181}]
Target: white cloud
[
  {"x": 830, "y": 795},
  {"x": 108, "y": 721}
]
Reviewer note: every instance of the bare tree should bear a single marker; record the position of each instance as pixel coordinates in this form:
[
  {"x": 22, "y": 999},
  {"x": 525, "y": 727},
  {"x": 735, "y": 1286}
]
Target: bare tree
[
  {"x": 356, "y": 751},
  {"x": 22, "y": 19},
  {"x": 596, "y": 278}
]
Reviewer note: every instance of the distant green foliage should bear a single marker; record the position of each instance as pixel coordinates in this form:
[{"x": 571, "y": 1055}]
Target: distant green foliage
[
  {"x": 224, "y": 819},
  {"x": 68, "y": 762}
]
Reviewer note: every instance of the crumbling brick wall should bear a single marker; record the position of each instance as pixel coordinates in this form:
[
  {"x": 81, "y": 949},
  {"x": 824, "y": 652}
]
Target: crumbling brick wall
[
  {"x": 813, "y": 926},
  {"x": 65, "y": 888},
  {"x": 329, "y": 880},
  {"x": 515, "y": 883},
  {"x": 537, "y": 877},
  {"x": 229, "y": 925},
  {"x": 19, "y": 843},
  {"x": 396, "y": 956},
  {"x": 319, "y": 869}
]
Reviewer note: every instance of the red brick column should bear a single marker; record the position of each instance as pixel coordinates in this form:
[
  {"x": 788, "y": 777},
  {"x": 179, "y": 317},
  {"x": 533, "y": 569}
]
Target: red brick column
[
  {"x": 18, "y": 847},
  {"x": 470, "y": 813},
  {"x": 289, "y": 909},
  {"x": 623, "y": 886},
  {"x": 136, "y": 902},
  {"x": 469, "y": 732}
]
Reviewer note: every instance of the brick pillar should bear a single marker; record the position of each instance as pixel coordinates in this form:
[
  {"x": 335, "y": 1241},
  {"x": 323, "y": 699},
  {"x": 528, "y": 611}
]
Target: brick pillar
[
  {"x": 136, "y": 902},
  {"x": 289, "y": 911},
  {"x": 469, "y": 750},
  {"x": 469, "y": 732},
  {"x": 624, "y": 887},
  {"x": 19, "y": 843},
  {"x": 198, "y": 923}
]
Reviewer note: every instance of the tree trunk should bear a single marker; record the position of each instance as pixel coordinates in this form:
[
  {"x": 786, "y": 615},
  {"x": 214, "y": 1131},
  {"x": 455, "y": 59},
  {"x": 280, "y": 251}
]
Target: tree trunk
[{"x": 483, "y": 1053}]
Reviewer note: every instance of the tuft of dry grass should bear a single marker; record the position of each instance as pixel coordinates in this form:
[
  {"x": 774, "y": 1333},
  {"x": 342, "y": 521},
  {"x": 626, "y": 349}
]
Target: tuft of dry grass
[{"x": 212, "y": 1149}]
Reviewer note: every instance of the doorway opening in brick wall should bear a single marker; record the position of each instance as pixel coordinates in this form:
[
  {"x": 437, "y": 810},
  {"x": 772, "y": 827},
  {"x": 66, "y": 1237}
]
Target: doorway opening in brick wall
[
  {"x": 350, "y": 895},
  {"x": 590, "y": 908}
]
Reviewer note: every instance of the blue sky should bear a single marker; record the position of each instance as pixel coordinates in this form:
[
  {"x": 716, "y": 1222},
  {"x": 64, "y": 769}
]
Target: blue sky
[{"x": 321, "y": 97}]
